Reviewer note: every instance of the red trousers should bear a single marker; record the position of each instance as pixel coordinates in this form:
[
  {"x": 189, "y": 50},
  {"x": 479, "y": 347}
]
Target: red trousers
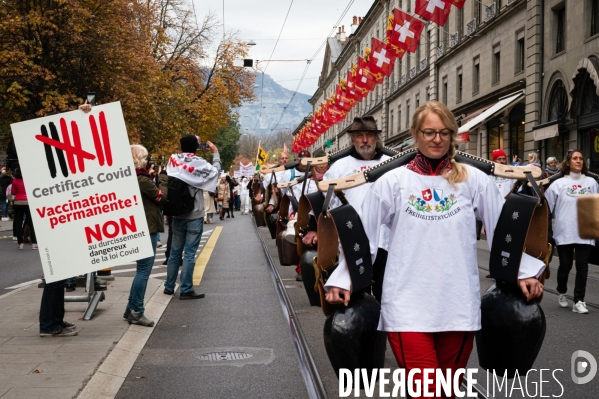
[{"x": 441, "y": 350}]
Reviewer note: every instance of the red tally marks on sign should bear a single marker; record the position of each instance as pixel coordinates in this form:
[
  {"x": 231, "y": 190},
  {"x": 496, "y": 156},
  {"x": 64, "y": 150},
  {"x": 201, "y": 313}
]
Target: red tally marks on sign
[{"x": 436, "y": 11}]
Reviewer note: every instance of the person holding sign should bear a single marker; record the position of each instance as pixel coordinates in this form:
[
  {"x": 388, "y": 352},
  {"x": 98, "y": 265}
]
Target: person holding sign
[{"x": 153, "y": 197}]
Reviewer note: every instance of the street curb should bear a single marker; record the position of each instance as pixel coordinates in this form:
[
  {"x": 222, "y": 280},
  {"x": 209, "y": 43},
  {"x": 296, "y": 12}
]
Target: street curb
[{"x": 110, "y": 375}]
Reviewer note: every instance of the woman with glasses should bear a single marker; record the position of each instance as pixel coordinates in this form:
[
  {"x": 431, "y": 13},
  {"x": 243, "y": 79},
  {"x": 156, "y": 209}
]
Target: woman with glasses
[
  {"x": 430, "y": 306},
  {"x": 561, "y": 198}
]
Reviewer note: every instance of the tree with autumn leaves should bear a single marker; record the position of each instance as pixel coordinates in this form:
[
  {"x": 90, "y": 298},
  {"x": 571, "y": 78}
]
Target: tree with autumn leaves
[{"x": 169, "y": 71}]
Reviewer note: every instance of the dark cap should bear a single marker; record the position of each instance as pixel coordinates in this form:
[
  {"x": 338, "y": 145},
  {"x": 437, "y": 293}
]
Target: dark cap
[
  {"x": 304, "y": 154},
  {"x": 189, "y": 143},
  {"x": 364, "y": 124}
]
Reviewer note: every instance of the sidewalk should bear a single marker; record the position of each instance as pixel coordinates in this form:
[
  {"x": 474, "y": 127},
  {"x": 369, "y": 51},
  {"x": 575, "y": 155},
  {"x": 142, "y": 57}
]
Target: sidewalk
[
  {"x": 5, "y": 228},
  {"x": 35, "y": 367}
]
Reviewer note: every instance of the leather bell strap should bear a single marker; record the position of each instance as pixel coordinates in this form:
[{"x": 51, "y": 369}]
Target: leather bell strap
[
  {"x": 306, "y": 174},
  {"x": 510, "y": 237},
  {"x": 355, "y": 245},
  {"x": 403, "y": 158}
]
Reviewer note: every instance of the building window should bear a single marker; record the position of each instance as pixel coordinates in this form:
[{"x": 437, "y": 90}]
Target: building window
[
  {"x": 516, "y": 119},
  {"x": 476, "y": 11},
  {"x": 399, "y": 118},
  {"x": 594, "y": 17},
  {"x": 458, "y": 86},
  {"x": 428, "y": 94},
  {"x": 408, "y": 113},
  {"x": 445, "y": 36},
  {"x": 520, "y": 56},
  {"x": 444, "y": 100},
  {"x": 409, "y": 6},
  {"x": 476, "y": 75},
  {"x": 460, "y": 22},
  {"x": 496, "y": 66},
  {"x": 560, "y": 29},
  {"x": 417, "y": 100},
  {"x": 428, "y": 44},
  {"x": 390, "y": 130}
]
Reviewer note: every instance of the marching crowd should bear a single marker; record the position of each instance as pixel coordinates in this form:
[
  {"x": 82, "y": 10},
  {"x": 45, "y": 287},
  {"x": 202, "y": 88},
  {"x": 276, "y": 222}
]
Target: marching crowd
[{"x": 430, "y": 295}]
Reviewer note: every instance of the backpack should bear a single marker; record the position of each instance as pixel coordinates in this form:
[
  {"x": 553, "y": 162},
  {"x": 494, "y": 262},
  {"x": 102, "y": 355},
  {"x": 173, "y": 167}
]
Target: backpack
[
  {"x": 9, "y": 195},
  {"x": 178, "y": 200}
]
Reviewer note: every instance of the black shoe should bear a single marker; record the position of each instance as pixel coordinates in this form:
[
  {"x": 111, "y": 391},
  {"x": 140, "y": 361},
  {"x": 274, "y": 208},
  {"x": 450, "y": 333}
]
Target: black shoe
[
  {"x": 232, "y": 215},
  {"x": 191, "y": 295},
  {"x": 168, "y": 292},
  {"x": 165, "y": 262},
  {"x": 99, "y": 287},
  {"x": 68, "y": 326},
  {"x": 127, "y": 313},
  {"x": 70, "y": 287},
  {"x": 299, "y": 278},
  {"x": 228, "y": 216}
]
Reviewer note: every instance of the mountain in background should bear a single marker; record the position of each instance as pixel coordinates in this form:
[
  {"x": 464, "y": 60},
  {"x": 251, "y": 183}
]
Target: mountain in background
[{"x": 274, "y": 98}]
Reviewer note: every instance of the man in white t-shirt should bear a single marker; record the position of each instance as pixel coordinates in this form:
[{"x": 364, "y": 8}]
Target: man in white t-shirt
[{"x": 366, "y": 139}]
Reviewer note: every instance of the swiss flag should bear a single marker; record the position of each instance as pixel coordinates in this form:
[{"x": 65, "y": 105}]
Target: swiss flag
[
  {"x": 436, "y": 11},
  {"x": 352, "y": 90},
  {"x": 342, "y": 101},
  {"x": 381, "y": 59},
  {"x": 406, "y": 30},
  {"x": 364, "y": 77},
  {"x": 427, "y": 195}
]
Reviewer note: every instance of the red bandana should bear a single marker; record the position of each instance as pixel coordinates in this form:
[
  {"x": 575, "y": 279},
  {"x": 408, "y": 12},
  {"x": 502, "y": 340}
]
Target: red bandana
[{"x": 422, "y": 166}]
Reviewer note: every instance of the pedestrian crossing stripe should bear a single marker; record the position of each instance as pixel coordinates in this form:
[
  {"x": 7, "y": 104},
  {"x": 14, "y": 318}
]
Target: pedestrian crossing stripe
[{"x": 200, "y": 266}]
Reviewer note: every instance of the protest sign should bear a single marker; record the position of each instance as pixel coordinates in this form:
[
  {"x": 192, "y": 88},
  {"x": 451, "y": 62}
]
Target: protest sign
[{"x": 82, "y": 191}]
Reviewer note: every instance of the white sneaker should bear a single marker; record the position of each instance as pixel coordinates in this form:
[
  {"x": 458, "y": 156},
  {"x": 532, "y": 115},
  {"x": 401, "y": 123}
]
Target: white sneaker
[
  {"x": 580, "y": 307},
  {"x": 15, "y": 239},
  {"x": 20, "y": 246},
  {"x": 33, "y": 246},
  {"x": 563, "y": 301}
]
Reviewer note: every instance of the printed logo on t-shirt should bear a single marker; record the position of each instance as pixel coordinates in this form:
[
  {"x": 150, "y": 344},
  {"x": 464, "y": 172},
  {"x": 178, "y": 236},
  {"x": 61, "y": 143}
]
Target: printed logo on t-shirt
[
  {"x": 431, "y": 204},
  {"x": 576, "y": 190}
]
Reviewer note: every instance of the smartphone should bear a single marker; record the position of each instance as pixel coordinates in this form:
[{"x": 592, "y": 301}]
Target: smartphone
[
  {"x": 202, "y": 145},
  {"x": 91, "y": 98}
]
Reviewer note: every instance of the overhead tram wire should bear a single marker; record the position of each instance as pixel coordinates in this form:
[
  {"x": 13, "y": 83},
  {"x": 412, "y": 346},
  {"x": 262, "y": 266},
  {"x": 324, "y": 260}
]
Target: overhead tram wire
[
  {"x": 312, "y": 59},
  {"x": 269, "y": 58},
  {"x": 415, "y": 14}
]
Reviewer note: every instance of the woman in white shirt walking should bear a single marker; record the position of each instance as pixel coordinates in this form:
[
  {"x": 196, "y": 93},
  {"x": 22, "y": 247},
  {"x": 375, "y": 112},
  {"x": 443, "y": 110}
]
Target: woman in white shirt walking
[
  {"x": 430, "y": 305},
  {"x": 561, "y": 197}
]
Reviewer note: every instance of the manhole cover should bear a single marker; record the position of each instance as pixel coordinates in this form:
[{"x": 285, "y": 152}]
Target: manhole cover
[{"x": 224, "y": 356}]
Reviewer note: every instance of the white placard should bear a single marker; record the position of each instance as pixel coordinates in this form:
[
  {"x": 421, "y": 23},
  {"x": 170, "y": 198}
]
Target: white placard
[{"x": 82, "y": 191}]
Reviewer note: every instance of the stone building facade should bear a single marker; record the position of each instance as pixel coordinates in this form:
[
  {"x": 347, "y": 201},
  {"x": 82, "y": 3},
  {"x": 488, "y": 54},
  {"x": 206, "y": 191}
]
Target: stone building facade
[{"x": 519, "y": 75}]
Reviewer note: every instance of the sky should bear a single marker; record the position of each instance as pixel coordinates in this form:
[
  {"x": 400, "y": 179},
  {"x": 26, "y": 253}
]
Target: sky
[{"x": 307, "y": 26}]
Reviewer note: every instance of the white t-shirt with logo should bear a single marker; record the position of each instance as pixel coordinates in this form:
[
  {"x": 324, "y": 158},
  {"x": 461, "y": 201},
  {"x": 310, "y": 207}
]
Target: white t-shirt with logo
[
  {"x": 348, "y": 166},
  {"x": 283, "y": 176},
  {"x": 561, "y": 196},
  {"x": 503, "y": 185},
  {"x": 431, "y": 279}
]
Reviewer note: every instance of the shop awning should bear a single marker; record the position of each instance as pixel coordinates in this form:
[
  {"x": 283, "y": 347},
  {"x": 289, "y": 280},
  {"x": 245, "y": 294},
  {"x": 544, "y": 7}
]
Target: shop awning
[
  {"x": 491, "y": 112},
  {"x": 546, "y": 132}
]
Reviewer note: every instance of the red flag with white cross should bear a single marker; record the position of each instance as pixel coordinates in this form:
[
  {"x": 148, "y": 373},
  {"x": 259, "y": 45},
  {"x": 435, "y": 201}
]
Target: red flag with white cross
[
  {"x": 406, "y": 31},
  {"x": 436, "y": 11},
  {"x": 381, "y": 59}
]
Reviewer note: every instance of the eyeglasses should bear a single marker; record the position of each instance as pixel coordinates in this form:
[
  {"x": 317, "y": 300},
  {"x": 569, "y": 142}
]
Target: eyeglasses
[{"x": 430, "y": 134}]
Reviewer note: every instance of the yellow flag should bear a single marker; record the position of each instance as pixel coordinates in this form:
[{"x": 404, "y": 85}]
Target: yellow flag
[{"x": 262, "y": 156}]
